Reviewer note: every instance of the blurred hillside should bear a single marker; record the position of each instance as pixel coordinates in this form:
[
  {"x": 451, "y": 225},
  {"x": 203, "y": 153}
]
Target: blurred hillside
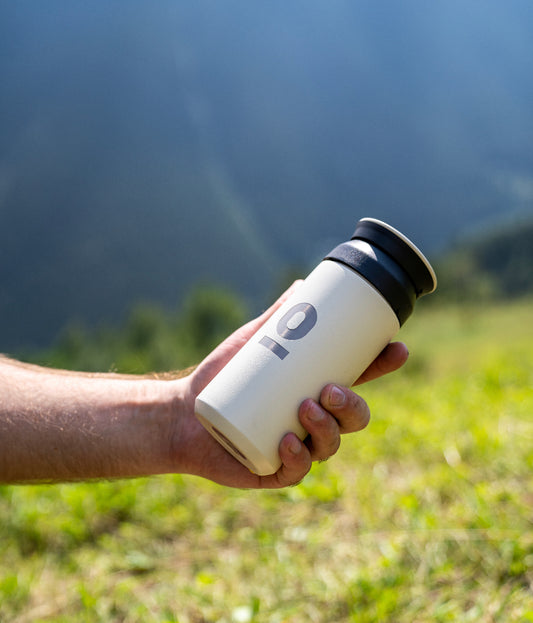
[
  {"x": 146, "y": 148},
  {"x": 496, "y": 265},
  {"x": 489, "y": 268}
]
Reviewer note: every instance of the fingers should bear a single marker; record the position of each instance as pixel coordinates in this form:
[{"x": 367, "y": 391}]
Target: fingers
[
  {"x": 296, "y": 462},
  {"x": 324, "y": 431},
  {"x": 338, "y": 411},
  {"x": 218, "y": 358},
  {"x": 392, "y": 357},
  {"x": 247, "y": 330},
  {"x": 348, "y": 408}
]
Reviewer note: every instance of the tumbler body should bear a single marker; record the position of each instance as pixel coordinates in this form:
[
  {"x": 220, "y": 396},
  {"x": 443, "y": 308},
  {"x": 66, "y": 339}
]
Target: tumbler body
[
  {"x": 254, "y": 400},
  {"x": 329, "y": 331}
]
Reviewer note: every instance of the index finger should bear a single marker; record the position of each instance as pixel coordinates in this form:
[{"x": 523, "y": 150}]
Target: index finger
[{"x": 392, "y": 357}]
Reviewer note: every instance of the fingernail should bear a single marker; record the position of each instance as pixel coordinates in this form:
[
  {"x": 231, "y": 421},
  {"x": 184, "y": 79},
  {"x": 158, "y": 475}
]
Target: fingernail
[
  {"x": 336, "y": 397},
  {"x": 315, "y": 413},
  {"x": 294, "y": 445}
]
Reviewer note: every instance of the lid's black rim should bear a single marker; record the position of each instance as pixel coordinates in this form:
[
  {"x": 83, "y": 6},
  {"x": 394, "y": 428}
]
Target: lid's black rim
[
  {"x": 382, "y": 273},
  {"x": 378, "y": 234}
]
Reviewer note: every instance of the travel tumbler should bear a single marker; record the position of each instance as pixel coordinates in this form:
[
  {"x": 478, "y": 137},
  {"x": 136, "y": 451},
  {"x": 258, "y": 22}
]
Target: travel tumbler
[{"x": 329, "y": 331}]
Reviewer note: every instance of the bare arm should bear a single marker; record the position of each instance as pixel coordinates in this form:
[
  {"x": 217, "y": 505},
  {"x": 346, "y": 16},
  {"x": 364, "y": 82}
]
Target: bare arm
[
  {"x": 56, "y": 425},
  {"x": 64, "y": 426}
]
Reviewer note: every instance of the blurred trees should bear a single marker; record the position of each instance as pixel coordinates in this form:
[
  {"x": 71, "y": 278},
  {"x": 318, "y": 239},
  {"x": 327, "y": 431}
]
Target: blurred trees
[
  {"x": 151, "y": 339},
  {"x": 497, "y": 265},
  {"x": 494, "y": 266}
]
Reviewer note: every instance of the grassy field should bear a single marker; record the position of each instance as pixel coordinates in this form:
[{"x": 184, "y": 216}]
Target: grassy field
[{"x": 426, "y": 516}]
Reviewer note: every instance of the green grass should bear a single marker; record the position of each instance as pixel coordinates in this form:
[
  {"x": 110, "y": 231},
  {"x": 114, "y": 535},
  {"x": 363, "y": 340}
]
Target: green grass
[{"x": 426, "y": 516}]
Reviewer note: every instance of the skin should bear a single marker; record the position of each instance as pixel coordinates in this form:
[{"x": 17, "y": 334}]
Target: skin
[{"x": 58, "y": 426}]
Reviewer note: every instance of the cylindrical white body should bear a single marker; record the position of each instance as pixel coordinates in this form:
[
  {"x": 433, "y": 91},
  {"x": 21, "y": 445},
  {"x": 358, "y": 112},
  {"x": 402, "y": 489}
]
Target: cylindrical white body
[{"x": 338, "y": 327}]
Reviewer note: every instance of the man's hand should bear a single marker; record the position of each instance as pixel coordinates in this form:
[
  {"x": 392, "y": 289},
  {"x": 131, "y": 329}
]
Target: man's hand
[
  {"x": 338, "y": 411},
  {"x": 62, "y": 426}
]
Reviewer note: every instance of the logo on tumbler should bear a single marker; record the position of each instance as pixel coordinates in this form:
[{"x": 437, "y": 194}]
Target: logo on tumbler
[{"x": 293, "y": 325}]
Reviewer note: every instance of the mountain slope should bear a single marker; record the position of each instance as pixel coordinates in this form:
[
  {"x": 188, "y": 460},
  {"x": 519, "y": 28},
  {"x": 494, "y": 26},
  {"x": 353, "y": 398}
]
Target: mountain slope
[{"x": 143, "y": 148}]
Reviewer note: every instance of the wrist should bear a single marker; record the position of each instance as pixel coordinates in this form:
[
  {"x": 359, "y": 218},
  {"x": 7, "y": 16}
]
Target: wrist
[
  {"x": 182, "y": 447},
  {"x": 156, "y": 421}
]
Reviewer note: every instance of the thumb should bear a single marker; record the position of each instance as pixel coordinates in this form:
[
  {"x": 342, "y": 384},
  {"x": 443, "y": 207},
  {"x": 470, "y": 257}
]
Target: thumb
[{"x": 218, "y": 358}]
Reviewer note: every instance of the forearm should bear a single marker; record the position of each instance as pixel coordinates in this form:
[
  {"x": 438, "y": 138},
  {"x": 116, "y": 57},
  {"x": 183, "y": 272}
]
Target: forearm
[{"x": 60, "y": 426}]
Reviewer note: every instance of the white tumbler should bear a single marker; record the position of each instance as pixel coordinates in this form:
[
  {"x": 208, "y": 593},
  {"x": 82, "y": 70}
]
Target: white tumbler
[{"x": 329, "y": 331}]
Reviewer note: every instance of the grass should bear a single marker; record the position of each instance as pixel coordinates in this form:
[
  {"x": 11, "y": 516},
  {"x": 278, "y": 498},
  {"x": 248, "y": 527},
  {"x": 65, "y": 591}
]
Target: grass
[{"x": 427, "y": 516}]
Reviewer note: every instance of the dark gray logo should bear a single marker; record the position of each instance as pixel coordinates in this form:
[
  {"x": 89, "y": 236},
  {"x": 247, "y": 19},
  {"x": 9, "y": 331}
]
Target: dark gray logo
[{"x": 293, "y": 325}]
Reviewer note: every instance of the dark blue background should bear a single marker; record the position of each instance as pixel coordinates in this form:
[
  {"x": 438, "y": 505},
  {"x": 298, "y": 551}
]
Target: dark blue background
[{"x": 146, "y": 146}]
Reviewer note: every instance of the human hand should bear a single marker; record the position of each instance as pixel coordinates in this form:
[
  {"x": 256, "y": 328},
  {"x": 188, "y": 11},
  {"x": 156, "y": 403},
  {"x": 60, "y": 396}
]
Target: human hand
[{"x": 338, "y": 411}]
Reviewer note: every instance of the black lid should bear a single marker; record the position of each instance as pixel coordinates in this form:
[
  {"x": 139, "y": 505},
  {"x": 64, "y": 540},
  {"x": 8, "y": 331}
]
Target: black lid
[
  {"x": 398, "y": 246},
  {"x": 390, "y": 262}
]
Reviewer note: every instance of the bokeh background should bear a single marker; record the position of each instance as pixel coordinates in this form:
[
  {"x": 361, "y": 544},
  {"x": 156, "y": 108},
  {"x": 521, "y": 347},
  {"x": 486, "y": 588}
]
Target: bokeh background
[
  {"x": 149, "y": 147},
  {"x": 165, "y": 169}
]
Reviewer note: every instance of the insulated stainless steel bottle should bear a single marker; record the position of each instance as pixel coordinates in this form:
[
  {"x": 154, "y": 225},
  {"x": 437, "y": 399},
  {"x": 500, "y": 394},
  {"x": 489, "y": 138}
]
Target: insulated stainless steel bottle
[{"x": 329, "y": 331}]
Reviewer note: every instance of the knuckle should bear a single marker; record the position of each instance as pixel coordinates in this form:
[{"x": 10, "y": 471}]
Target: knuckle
[
  {"x": 323, "y": 451},
  {"x": 357, "y": 415},
  {"x": 334, "y": 447}
]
